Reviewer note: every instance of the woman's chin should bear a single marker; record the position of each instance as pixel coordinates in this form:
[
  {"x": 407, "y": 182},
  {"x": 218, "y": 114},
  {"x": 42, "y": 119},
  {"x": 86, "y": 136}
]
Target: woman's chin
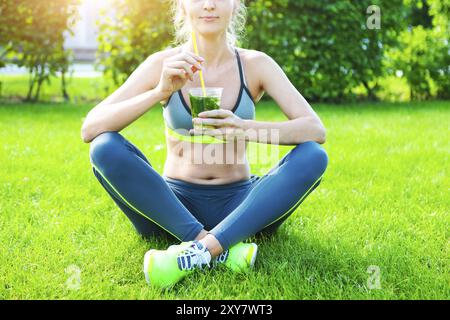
[{"x": 210, "y": 32}]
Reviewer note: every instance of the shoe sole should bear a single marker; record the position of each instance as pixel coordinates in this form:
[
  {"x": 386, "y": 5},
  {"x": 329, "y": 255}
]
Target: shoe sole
[{"x": 147, "y": 257}]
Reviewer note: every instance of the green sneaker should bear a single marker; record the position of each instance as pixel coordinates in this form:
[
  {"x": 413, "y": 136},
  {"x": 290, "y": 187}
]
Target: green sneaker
[
  {"x": 239, "y": 258},
  {"x": 164, "y": 268}
]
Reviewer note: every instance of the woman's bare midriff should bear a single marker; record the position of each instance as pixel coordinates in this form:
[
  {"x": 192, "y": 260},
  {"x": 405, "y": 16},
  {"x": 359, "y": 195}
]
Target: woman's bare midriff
[{"x": 206, "y": 163}]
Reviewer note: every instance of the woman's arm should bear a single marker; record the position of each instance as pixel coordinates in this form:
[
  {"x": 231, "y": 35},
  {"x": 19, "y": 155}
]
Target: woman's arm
[
  {"x": 129, "y": 102},
  {"x": 289, "y": 132},
  {"x": 303, "y": 124}
]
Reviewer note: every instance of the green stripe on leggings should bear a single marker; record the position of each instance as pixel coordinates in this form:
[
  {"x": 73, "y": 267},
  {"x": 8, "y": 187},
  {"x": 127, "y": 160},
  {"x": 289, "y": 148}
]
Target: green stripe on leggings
[
  {"x": 296, "y": 204},
  {"x": 129, "y": 204}
]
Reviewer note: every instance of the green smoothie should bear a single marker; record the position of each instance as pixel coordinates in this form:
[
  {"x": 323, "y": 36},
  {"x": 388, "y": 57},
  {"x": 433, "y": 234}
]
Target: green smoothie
[{"x": 200, "y": 103}]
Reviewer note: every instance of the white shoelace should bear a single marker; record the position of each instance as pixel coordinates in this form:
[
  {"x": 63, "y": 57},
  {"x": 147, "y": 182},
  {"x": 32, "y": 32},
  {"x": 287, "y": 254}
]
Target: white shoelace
[
  {"x": 194, "y": 256},
  {"x": 221, "y": 258}
]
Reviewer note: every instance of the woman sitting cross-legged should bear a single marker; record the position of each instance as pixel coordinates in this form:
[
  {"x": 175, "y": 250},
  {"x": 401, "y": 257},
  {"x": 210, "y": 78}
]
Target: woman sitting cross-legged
[{"x": 210, "y": 207}]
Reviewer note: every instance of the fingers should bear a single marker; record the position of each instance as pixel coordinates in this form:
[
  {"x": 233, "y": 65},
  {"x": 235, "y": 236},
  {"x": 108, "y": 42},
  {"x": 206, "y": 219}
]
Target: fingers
[
  {"x": 176, "y": 72},
  {"x": 191, "y": 54},
  {"x": 212, "y": 122},
  {"x": 182, "y": 65},
  {"x": 188, "y": 57},
  {"x": 193, "y": 62},
  {"x": 218, "y": 113},
  {"x": 188, "y": 62}
]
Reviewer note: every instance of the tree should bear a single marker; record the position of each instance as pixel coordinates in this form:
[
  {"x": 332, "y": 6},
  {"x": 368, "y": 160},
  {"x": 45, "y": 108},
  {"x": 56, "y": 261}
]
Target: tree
[
  {"x": 33, "y": 36},
  {"x": 137, "y": 29}
]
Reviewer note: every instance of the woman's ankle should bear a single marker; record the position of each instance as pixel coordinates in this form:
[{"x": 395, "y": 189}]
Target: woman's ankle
[
  {"x": 201, "y": 235},
  {"x": 213, "y": 245}
]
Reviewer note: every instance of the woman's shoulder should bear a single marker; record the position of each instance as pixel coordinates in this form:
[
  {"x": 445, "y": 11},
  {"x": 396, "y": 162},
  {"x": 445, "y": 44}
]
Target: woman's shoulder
[
  {"x": 251, "y": 57},
  {"x": 248, "y": 53}
]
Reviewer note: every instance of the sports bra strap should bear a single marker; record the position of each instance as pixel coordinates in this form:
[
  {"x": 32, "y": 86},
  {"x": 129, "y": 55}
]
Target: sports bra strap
[{"x": 241, "y": 69}]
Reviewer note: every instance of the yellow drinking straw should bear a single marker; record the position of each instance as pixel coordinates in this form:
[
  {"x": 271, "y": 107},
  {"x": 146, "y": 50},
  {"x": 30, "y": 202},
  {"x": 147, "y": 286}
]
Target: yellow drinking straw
[{"x": 194, "y": 40}]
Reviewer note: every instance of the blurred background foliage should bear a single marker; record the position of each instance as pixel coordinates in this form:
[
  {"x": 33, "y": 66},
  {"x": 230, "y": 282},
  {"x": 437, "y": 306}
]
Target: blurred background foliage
[
  {"x": 325, "y": 47},
  {"x": 139, "y": 28},
  {"x": 31, "y": 36}
]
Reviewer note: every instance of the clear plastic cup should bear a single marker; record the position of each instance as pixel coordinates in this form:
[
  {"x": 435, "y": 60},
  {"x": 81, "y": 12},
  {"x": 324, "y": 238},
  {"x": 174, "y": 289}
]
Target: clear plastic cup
[{"x": 200, "y": 102}]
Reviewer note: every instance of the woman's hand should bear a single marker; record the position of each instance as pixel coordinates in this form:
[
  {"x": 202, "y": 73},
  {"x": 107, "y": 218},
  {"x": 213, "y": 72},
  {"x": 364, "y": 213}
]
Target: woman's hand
[
  {"x": 227, "y": 125},
  {"x": 176, "y": 71}
]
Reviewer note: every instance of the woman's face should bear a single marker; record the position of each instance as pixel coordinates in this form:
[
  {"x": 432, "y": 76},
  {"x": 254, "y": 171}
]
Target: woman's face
[{"x": 220, "y": 13}]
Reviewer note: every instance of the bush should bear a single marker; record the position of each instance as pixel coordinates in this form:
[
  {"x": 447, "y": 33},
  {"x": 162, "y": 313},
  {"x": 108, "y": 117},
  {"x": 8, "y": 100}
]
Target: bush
[
  {"x": 423, "y": 54},
  {"x": 325, "y": 47}
]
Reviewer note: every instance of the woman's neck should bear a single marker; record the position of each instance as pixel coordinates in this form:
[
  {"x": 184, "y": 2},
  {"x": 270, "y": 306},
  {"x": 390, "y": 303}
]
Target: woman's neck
[{"x": 215, "y": 51}]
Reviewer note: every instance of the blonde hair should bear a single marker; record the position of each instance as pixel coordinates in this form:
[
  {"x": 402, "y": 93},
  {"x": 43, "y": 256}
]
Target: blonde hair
[{"x": 235, "y": 29}]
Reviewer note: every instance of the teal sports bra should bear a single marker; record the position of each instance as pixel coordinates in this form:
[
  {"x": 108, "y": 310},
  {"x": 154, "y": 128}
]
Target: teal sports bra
[{"x": 178, "y": 117}]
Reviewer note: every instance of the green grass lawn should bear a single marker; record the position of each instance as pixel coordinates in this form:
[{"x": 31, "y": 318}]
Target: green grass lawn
[
  {"x": 383, "y": 202},
  {"x": 80, "y": 89}
]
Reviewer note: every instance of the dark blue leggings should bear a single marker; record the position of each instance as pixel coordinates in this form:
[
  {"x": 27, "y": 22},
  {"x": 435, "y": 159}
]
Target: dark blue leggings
[{"x": 233, "y": 212}]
